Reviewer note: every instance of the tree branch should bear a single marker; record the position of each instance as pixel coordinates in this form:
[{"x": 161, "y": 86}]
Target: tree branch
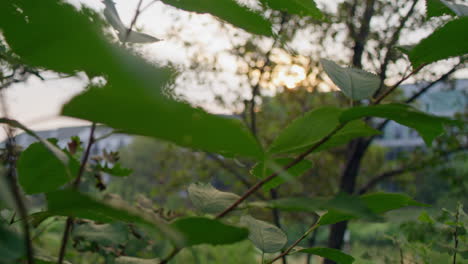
[
  {"x": 360, "y": 41},
  {"x": 234, "y": 172},
  {"x": 135, "y": 17},
  {"x": 298, "y": 159},
  {"x": 394, "y": 87},
  {"x": 391, "y": 44},
  {"x": 75, "y": 185},
  {"x": 392, "y": 173},
  {"x": 420, "y": 93},
  {"x": 12, "y": 182},
  {"x": 256, "y": 88},
  {"x": 288, "y": 250}
]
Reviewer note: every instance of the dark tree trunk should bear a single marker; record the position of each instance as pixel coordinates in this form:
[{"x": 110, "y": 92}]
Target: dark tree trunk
[{"x": 347, "y": 184}]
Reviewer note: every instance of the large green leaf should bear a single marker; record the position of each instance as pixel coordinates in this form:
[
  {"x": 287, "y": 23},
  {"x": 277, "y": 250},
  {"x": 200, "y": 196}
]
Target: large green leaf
[
  {"x": 330, "y": 253},
  {"x": 11, "y": 245},
  {"x": 446, "y": 42},
  {"x": 265, "y": 236},
  {"x": 435, "y": 8},
  {"x": 264, "y": 169},
  {"x": 128, "y": 109},
  {"x": 383, "y": 202},
  {"x": 428, "y": 126},
  {"x": 208, "y": 199},
  {"x": 306, "y": 130},
  {"x": 75, "y": 204},
  {"x": 133, "y": 98},
  {"x": 303, "y": 132},
  {"x": 356, "y": 84},
  {"x": 377, "y": 203},
  {"x": 199, "y": 230},
  {"x": 343, "y": 203},
  {"x": 39, "y": 170},
  {"x": 227, "y": 10},
  {"x": 296, "y": 7}
]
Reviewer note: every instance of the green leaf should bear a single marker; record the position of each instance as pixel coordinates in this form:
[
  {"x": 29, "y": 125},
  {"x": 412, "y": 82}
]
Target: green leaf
[
  {"x": 133, "y": 260},
  {"x": 74, "y": 44},
  {"x": 262, "y": 170},
  {"x": 265, "y": 236},
  {"x": 77, "y": 205},
  {"x": 208, "y": 199},
  {"x": 11, "y": 245},
  {"x": 134, "y": 88},
  {"x": 330, "y": 253},
  {"x": 57, "y": 152},
  {"x": 378, "y": 203},
  {"x": 41, "y": 171},
  {"x": 425, "y": 218},
  {"x": 199, "y": 230},
  {"x": 428, "y": 126},
  {"x": 306, "y": 130},
  {"x": 356, "y": 84},
  {"x": 126, "y": 107},
  {"x": 296, "y": 7},
  {"x": 342, "y": 203},
  {"x": 229, "y": 11},
  {"x": 435, "y": 8},
  {"x": 116, "y": 170},
  {"x": 37, "y": 218},
  {"x": 103, "y": 234},
  {"x": 383, "y": 202},
  {"x": 446, "y": 42}
]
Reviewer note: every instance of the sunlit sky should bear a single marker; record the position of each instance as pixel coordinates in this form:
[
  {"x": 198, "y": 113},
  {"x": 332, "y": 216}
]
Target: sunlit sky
[{"x": 37, "y": 103}]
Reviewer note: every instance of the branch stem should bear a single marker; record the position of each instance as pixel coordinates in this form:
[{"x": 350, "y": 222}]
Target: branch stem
[
  {"x": 288, "y": 250},
  {"x": 75, "y": 185},
  {"x": 259, "y": 184},
  {"x": 12, "y": 182}
]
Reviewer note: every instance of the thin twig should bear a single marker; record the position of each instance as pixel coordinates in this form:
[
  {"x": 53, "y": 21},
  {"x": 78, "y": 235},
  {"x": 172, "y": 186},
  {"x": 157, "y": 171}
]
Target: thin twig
[
  {"x": 256, "y": 88},
  {"x": 171, "y": 255},
  {"x": 286, "y": 252},
  {"x": 414, "y": 167},
  {"x": 135, "y": 17},
  {"x": 455, "y": 234},
  {"x": 299, "y": 158},
  {"x": 419, "y": 94},
  {"x": 395, "y": 86},
  {"x": 393, "y": 41},
  {"x": 11, "y": 178},
  {"x": 234, "y": 172},
  {"x": 76, "y": 183}
]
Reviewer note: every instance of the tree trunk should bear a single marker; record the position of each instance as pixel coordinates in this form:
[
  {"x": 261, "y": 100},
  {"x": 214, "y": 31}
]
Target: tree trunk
[{"x": 347, "y": 184}]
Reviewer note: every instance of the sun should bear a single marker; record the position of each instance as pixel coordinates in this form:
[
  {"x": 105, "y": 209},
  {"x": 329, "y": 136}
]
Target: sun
[{"x": 289, "y": 76}]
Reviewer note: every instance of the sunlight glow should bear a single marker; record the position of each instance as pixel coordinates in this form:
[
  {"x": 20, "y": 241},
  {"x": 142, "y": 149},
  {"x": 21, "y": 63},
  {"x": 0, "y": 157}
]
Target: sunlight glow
[{"x": 289, "y": 75}]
